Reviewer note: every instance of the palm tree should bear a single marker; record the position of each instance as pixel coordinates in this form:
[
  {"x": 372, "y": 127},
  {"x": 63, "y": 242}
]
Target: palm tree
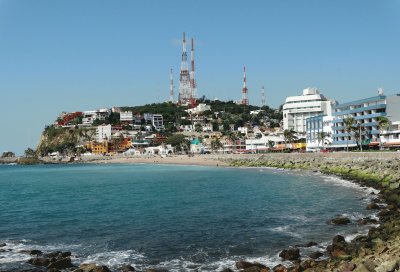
[
  {"x": 271, "y": 144},
  {"x": 289, "y": 135},
  {"x": 383, "y": 124},
  {"x": 322, "y": 136},
  {"x": 348, "y": 127},
  {"x": 216, "y": 144}
]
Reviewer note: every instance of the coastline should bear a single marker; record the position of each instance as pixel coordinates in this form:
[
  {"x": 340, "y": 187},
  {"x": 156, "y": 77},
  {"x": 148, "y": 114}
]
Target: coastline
[{"x": 379, "y": 250}]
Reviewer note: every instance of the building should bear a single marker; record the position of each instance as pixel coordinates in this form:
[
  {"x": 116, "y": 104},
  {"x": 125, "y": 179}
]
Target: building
[
  {"x": 199, "y": 109},
  {"x": 315, "y": 126},
  {"x": 98, "y": 148},
  {"x": 265, "y": 143},
  {"x": 297, "y": 109},
  {"x": 365, "y": 113},
  {"x": 126, "y": 116},
  {"x": 103, "y": 133},
  {"x": 92, "y": 115},
  {"x": 66, "y": 118},
  {"x": 157, "y": 122}
]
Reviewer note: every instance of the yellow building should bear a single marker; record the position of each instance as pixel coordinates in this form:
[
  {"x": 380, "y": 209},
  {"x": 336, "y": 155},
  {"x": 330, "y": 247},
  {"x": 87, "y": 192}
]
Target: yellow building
[{"x": 98, "y": 148}]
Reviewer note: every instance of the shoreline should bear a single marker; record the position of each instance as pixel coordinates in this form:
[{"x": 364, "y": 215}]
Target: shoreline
[{"x": 379, "y": 250}]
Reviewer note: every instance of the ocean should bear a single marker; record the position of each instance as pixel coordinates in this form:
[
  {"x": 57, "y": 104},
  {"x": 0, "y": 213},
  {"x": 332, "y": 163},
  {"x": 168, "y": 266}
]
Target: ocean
[{"x": 181, "y": 218}]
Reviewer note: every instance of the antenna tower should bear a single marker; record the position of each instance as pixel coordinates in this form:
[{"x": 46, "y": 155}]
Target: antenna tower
[
  {"x": 245, "y": 100},
  {"x": 193, "y": 83},
  {"x": 262, "y": 96},
  {"x": 184, "y": 82},
  {"x": 171, "y": 87}
]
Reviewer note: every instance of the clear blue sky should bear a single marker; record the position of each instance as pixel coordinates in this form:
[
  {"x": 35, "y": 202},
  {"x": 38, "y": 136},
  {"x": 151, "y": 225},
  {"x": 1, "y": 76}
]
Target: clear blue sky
[{"x": 70, "y": 55}]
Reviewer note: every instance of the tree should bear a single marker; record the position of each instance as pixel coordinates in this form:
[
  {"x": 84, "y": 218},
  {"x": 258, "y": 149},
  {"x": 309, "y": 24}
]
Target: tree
[
  {"x": 289, "y": 135},
  {"x": 198, "y": 128},
  {"x": 321, "y": 136},
  {"x": 271, "y": 144},
  {"x": 29, "y": 152},
  {"x": 383, "y": 124},
  {"x": 216, "y": 144},
  {"x": 349, "y": 128}
]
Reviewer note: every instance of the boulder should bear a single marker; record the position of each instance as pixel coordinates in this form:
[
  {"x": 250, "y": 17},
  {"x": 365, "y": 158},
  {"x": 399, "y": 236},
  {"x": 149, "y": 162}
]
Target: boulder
[
  {"x": 279, "y": 268},
  {"x": 338, "y": 239},
  {"x": 366, "y": 220},
  {"x": 39, "y": 261},
  {"x": 346, "y": 267},
  {"x": 290, "y": 254},
  {"x": 126, "y": 268},
  {"x": 3, "y": 244},
  {"x": 341, "y": 220},
  {"x": 247, "y": 265},
  {"x": 310, "y": 244},
  {"x": 35, "y": 252},
  {"x": 87, "y": 267},
  {"x": 62, "y": 263},
  {"x": 101, "y": 268},
  {"x": 316, "y": 254},
  {"x": 53, "y": 270},
  {"x": 372, "y": 206}
]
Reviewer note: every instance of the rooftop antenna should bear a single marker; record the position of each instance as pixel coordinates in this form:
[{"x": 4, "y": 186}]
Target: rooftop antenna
[
  {"x": 262, "y": 96},
  {"x": 245, "y": 100},
  {"x": 380, "y": 91},
  {"x": 171, "y": 87}
]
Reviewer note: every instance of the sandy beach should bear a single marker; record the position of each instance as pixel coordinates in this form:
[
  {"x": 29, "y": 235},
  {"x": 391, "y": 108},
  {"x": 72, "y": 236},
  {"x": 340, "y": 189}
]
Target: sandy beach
[{"x": 202, "y": 160}]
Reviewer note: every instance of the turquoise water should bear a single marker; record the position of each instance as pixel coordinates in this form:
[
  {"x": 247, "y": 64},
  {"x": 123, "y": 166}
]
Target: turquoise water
[{"x": 177, "y": 217}]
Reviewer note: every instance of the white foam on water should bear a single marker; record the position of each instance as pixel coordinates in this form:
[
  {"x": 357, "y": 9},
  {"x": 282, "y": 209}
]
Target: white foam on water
[
  {"x": 114, "y": 259},
  {"x": 286, "y": 230},
  {"x": 18, "y": 250}
]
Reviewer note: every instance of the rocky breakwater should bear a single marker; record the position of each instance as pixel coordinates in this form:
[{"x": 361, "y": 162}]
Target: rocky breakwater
[{"x": 379, "y": 250}]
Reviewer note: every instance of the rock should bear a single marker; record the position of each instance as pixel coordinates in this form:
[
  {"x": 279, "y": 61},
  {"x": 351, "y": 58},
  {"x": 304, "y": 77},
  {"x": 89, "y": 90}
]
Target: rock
[
  {"x": 61, "y": 263},
  {"x": 310, "y": 244},
  {"x": 101, "y": 268},
  {"x": 341, "y": 220},
  {"x": 372, "y": 206},
  {"x": 279, "y": 268},
  {"x": 346, "y": 267},
  {"x": 35, "y": 252},
  {"x": 53, "y": 254},
  {"x": 39, "y": 261},
  {"x": 226, "y": 270},
  {"x": 361, "y": 268},
  {"x": 53, "y": 270},
  {"x": 316, "y": 255},
  {"x": 367, "y": 220},
  {"x": 338, "y": 239},
  {"x": 243, "y": 264},
  {"x": 391, "y": 265},
  {"x": 3, "y": 244},
  {"x": 290, "y": 254},
  {"x": 126, "y": 268},
  {"x": 87, "y": 267},
  {"x": 65, "y": 254}
]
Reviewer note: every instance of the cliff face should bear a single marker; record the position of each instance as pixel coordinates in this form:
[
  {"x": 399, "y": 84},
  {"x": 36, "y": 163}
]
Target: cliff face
[{"x": 63, "y": 140}]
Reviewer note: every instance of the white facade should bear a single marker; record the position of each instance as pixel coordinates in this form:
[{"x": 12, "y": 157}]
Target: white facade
[
  {"x": 199, "y": 109},
  {"x": 90, "y": 116},
  {"x": 298, "y": 108},
  {"x": 316, "y": 125},
  {"x": 103, "y": 133},
  {"x": 126, "y": 116},
  {"x": 158, "y": 122},
  {"x": 263, "y": 142}
]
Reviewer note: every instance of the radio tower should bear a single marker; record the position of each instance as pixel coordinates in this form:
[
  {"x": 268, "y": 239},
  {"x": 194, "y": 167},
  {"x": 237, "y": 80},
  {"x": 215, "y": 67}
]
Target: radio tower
[
  {"x": 245, "y": 100},
  {"x": 262, "y": 97},
  {"x": 193, "y": 83},
  {"x": 184, "y": 83},
  {"x": 171, "y": 87}
]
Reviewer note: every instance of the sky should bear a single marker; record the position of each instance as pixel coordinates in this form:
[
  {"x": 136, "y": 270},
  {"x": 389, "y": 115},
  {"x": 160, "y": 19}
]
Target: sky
[{"x": 72, "y": 55}]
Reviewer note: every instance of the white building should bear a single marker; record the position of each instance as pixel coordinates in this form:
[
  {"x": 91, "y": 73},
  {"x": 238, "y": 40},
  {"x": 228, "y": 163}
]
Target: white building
[
  {"x": 158, "y": 122},
  {"x": 263, "y": 143},
  {"x": 199, "y": 109},
  {"x": 103, "y": 133},
  {"x": 126, "y": 116},
  {"x": 90, "y": 116},
  {"x": 315, "y": 125},
  {"x": 298, "y": 108}
]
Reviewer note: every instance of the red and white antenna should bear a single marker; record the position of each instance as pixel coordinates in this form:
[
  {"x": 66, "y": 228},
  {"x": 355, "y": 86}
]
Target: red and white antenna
[
  {"x": 171, "y": 87},
  {"x": 193, "y": 83},
  {"x": 245, "y": 100}
]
